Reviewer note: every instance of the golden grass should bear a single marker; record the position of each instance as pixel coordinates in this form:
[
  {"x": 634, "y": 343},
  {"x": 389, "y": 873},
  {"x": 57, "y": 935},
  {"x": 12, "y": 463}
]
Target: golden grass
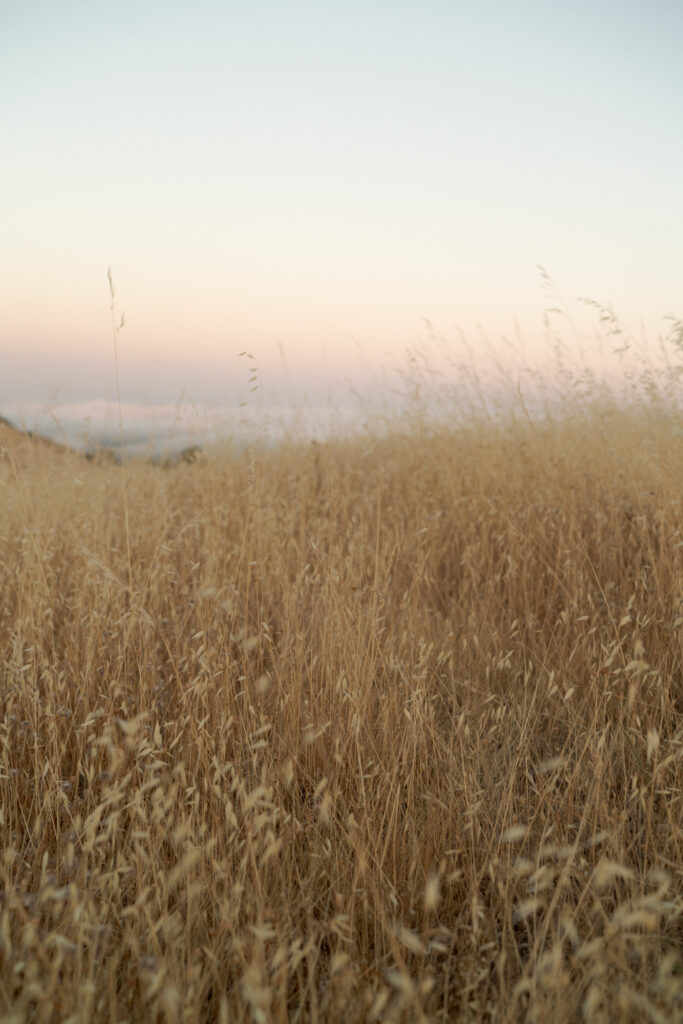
[{"x": 380, "y": 729}]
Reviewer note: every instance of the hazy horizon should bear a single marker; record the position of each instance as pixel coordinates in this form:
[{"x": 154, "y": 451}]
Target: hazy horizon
[{"x": 165, "y": 406}]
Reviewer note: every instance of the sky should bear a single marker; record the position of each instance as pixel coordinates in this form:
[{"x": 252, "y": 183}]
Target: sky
[{"x": 312, "y": 181}]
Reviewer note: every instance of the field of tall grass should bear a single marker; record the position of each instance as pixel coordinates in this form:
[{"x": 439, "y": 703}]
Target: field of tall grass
[{"x": 382, "y": 728}]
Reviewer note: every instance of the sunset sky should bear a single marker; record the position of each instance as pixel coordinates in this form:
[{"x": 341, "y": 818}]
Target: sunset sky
[{"x": 310, "y": 180}]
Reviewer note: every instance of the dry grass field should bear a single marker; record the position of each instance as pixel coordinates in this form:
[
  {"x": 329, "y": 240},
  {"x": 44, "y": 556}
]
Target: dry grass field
[{"x": 383, "y": 729}]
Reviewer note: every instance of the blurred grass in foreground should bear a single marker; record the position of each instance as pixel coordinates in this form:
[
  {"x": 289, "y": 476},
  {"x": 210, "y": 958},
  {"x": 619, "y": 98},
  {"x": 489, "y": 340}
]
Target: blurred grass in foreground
[{"x": 385, "y": 728}]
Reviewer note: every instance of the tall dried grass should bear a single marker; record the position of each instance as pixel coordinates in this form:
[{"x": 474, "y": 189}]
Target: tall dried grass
[{"x": 378, "y": 729}]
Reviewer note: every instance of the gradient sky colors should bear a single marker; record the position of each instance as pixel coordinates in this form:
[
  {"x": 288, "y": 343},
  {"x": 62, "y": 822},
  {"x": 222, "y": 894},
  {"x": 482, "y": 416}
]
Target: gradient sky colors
[{"x": 316, "y": 178}]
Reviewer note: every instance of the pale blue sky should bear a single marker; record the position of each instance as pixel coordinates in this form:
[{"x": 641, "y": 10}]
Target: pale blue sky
[{"x": 322, "y": 176}]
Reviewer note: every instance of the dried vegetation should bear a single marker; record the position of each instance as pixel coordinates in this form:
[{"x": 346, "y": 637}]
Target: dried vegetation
[{"x": 379, "y": 729}]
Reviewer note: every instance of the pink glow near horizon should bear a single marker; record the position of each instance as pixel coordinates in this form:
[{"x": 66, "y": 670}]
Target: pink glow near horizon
[{"x": 309, "y": 182}]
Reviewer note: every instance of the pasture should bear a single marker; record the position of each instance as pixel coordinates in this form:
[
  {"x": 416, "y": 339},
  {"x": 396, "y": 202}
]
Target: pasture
[{"x": 386, "y": 728}]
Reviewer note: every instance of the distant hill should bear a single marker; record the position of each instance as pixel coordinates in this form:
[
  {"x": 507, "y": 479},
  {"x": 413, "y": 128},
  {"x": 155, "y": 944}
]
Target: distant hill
[
  {"x": 25, "y": 446},
  {"x": 22, "y": 443}
]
